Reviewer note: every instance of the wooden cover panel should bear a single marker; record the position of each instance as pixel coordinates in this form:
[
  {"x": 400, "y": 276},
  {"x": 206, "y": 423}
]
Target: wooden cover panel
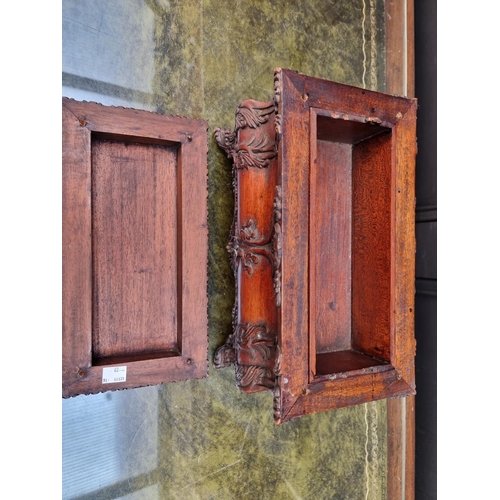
[
  {"x": 134, "y": 201},
  {"x": 134, "y": 247}
]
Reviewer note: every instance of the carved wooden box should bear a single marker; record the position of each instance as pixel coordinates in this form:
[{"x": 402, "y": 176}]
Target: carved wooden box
[
  {"x": 134, "y": 233},
  {"x": 322, "y": 245}
]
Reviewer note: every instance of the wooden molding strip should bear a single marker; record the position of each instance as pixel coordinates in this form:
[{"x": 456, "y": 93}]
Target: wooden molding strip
[
  {"x": 400, "y": 47},
  {"x": 400, "y": 80}
]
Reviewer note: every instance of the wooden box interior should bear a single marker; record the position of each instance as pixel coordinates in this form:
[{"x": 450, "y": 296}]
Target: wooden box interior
[
  {"x": 322, "y": 245},
  {"x": 350, "y": 242}
]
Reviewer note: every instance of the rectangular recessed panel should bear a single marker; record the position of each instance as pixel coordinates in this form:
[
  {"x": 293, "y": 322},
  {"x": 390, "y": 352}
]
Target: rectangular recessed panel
[
  {"x": 134, "y": 216},
  {"x": 330, "y": 237}
]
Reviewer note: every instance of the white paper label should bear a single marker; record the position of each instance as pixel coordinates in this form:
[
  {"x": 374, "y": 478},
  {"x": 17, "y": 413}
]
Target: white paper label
[{"x": 114, "y": 374}]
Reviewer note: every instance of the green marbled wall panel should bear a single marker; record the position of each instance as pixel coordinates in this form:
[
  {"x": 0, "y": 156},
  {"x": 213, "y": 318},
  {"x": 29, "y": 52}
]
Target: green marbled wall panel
[{"x": 203, "y": 439}]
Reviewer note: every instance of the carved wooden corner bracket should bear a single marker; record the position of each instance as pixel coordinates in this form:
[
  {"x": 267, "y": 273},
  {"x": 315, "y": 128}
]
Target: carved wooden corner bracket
[
  {"x": 256, "y": 149},
  {"x": 255, "y": 245}
]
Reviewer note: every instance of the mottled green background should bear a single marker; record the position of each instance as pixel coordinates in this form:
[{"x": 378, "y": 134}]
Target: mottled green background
[{"x": 203, "y": 439}]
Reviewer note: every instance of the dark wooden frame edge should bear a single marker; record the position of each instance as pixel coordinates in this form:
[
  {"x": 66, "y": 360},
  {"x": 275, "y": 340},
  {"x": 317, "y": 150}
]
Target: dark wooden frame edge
[
  {"x": 80, "y": 121},
  {"x": 400, "y": 79}
]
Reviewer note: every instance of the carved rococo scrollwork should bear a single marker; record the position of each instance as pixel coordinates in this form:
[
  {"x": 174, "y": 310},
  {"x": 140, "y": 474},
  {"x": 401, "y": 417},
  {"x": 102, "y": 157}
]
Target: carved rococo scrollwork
[
  {"x": 252, "y": 347},
  {"x": 246, "y": 246},
  {"x": 256, "y": 151},
  {"x": 277, "y": 244},
  {"x": 256, "y": 349},
  {"x": 277, "y": 385},
  {"x": 277, "y": 103}
]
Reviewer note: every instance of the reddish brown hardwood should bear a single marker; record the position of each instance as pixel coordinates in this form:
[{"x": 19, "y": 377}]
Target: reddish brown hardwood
[
  {"x": 134, "y": 247},
  {"x": 330, "y": 291},
  {"x": 134, "y": 200},
  {"x": 400, "y": 80},
  {"x": 400, "y": 47},
  {"x": 371, "y": 254},
  {"x": 338, "y": 302},
  {"x": 254, "y": 246}
]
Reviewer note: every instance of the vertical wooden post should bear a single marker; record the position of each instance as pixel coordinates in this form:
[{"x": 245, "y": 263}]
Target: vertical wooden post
[{"x": 400, "y": 80}]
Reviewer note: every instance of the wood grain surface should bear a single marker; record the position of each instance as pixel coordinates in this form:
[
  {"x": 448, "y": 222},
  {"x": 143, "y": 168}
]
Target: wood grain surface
[
  {"x": 343, "y": 326},
  {"x": 359, "y": 188},
  {"x": 134, "y": 247}
]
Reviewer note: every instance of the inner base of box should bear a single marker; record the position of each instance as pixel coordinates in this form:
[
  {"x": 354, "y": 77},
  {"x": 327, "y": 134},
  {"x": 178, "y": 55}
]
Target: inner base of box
[
  {"x": 346, "y": 361},
  {"x": 124, "y": 359}
]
